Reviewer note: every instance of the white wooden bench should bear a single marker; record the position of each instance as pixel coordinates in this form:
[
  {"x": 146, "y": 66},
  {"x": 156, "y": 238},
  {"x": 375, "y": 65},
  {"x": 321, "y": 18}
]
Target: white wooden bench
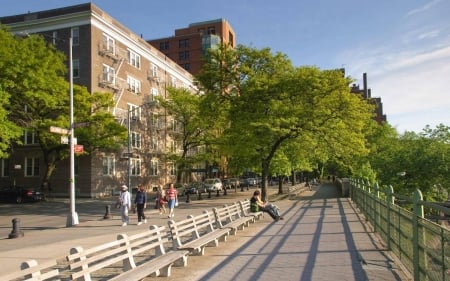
[
  {"x": 136, "y": 256},
  {"x": 246, "y": 210},
  {"x": 196, "y": 232},
  {"x": 296, "y": 189},
  {"x": 31, "y": 270},
  {"x": 230, "y": 216}
]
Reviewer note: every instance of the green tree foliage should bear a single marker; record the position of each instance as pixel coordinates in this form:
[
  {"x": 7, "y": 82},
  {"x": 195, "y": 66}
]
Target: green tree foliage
[
  {"x": 413, "y": 161},
  {"x": 191, "y": 130},
  {"x": 32, "y": 75},
  {"x": 279, "y": 105}
]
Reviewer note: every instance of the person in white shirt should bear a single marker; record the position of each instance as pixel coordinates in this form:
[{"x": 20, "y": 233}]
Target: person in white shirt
[{"x": 125, "y": 204}]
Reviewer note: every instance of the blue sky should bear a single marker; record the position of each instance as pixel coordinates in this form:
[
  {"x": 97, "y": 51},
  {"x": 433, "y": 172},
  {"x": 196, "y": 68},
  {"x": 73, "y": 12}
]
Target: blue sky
[{"x": 402, "y": 45}]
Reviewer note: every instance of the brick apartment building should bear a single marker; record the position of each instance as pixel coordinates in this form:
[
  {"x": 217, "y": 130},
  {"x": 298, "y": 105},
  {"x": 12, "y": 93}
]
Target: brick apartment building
[
  {"x": 365, "y": 92},
  {"x": 107, "y": 57},
  {"x": 189, "y": 44}
]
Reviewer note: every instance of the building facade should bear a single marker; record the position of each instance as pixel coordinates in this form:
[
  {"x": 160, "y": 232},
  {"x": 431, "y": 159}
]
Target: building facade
[
  {"x": 106, "y": 57},
  {"x": 189, "y": 45}
]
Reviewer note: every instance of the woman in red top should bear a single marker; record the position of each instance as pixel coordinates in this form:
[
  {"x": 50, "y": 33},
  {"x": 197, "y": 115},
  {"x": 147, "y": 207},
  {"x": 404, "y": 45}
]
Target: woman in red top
[{"x": 172, "y": 198}]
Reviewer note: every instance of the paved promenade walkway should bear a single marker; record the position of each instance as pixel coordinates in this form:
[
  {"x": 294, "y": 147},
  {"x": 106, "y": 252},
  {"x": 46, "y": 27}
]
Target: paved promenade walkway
[{"x": 322, "y": 237}]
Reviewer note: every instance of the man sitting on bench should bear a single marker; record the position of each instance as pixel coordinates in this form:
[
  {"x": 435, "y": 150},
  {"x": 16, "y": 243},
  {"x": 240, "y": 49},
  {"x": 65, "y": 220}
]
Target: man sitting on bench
[{"x": 256, "y": 205}]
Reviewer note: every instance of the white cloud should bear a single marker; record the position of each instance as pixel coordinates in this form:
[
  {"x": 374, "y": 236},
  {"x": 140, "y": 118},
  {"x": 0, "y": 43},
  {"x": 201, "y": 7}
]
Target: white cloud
[{"x": 423, "y": 8}]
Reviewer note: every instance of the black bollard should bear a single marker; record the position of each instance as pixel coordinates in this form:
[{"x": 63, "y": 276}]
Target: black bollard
[
  {"x": 209, "y": 193},
  {"x": 16, "y": 232},
  {"x": 107, "y": 213},
  {"x": 225, "y": 191},
  {"x": 242, "y": 188},
  {"x": 218, "y": 193},
  {"x": 188, "y": 199}
]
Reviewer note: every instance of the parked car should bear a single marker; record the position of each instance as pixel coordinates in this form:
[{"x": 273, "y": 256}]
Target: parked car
[
  {"x": 250, "y": 182},
  {"x": 235, "y": 183},
  {"x": 213, "y": 184},
  {"x": 194, "y": 188},
  {"x": 17, "y": 194}
]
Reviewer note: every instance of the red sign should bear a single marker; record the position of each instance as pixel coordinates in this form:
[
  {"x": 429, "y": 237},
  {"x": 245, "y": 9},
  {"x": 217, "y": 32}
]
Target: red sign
[{"x": 77, "y": 148}]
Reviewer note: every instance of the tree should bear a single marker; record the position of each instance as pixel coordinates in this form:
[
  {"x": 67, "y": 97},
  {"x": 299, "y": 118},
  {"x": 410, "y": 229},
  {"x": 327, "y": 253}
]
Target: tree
[
  {"x": 34, "y": 78},
  {"x": 191, "y": 132}
]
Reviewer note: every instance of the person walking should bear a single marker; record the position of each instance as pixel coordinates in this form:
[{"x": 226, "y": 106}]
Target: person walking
[
  {"x": 125, "y": 204},
  {"x": 256, "y": 205},
  {"x": 161, "y": 200},
  {"x": 141, "y": 203},
  {"x": 172, "y": 198}
]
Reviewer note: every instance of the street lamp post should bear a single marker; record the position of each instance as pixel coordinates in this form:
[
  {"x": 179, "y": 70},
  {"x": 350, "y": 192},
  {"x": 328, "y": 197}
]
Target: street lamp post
[{"x": 72, "y": 218}]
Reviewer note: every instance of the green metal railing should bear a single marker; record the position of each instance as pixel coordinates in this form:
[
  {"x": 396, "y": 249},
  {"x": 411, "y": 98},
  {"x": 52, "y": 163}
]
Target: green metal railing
[{"x": 422, "y": 245}]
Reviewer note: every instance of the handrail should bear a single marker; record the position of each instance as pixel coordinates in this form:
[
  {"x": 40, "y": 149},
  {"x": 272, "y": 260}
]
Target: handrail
[{"x": 423, "y": 246}]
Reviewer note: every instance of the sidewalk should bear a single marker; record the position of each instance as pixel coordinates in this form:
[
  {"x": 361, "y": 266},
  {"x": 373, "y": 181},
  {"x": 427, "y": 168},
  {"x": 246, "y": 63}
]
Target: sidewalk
[{"x": 321, "y": 238}]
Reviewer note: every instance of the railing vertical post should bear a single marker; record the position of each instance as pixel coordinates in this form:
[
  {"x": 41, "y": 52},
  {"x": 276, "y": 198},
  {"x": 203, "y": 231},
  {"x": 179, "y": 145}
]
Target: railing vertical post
[
  {"x": 389, "y": 202},
  {"x": 417, "y": 214},
  {"x": 376, "y": 205}
]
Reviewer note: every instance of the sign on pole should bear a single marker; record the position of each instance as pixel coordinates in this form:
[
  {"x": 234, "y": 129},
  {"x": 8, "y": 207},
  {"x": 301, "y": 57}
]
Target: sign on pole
[
  {"x": 59, "y": 130},
  {"x": 78, "y": 148}
]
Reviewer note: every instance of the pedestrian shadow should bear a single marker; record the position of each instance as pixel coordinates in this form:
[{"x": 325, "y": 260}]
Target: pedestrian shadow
[{"x": 273, "y": 250}]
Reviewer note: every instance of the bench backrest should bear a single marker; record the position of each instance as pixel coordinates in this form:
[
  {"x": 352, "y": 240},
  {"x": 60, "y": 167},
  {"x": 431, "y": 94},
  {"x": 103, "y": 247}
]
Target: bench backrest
[
  {"x": 245, "y": 207},
  {"x": 191, "y": 228},
  {"x": 86, "y": 261},
  {"x": 154, "y": 239},
  {"x": 31, "y": 270},
  {"x": 227, "y": 214}
]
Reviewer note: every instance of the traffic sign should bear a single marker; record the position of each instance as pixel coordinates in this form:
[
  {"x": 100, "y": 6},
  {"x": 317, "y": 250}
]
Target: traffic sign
[
  {"x": 64, "y": 140},
  {"x": 78, "y": 148},
  {"x": 59, "y": 130},
  {"x": 81, "y": 124}
]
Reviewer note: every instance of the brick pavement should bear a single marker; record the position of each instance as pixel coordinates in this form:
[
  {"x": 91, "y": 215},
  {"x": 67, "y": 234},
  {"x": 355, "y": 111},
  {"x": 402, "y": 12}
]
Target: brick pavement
[{"x": 321, "y": 238}]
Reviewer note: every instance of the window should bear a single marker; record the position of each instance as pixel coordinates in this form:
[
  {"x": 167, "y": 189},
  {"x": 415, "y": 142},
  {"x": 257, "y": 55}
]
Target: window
[
  {"x": 154, "y": 122},
  {"x": 134, "y": 59},
  {"x": 154, "y": 168},
  {"x": 108, "y": 44},
  {"x": 171, "y": 169},
  {"x": 108, "y": 165},
  {"x": 183, "y": 55},
  {"x": 154, "y": 143},
  {"x": 153, "y": 94},
  {"x": 154, "y": 71},
  {"x": 135, "y": 166},
  {"x": 5, "y": 167},
  {"x": 211, "y": 30},
  {"x": 173, "y": 146},
  {"x": 76, "y": 68},
  {"x": 31, "y": 167},
  {"x": 134, "y": 85},
  {"x": 109, "y": 74},
  {"x": 75, "y": 36},
  {"x": 173, "y": 81},
  {"x": 135, "y": 112},
  {"x": 54, "y": 37},
  {"x": 186, "y": 66},
  {"x": 135, "y": 139},
  {"x": 29, "y": 138},
  {"x": 183, "y": 43},
  {"x": 163, "y": 46}
]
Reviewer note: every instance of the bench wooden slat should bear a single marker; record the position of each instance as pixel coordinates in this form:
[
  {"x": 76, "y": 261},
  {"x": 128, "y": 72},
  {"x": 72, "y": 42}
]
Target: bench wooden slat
[
  {"x": 32, "y": 270},
  {"x": 196, "y": 232},
  {"x": 246, "y": 210},
  {"x": 230, "y": 216},
  {"x": 125, "y": 249}
]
